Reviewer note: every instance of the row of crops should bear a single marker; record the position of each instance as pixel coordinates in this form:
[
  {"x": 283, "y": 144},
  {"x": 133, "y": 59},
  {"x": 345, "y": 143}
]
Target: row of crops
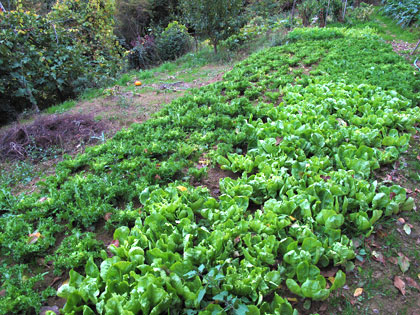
[{"x": 303, "y": 125}]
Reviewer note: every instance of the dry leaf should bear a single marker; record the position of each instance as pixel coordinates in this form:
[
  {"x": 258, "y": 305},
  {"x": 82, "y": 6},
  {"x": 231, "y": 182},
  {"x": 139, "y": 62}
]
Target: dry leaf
[
  {"x": 204, "y": 162},
  {"x": 378, "y": 257},
  {"x": 278, "y": 140},
  {"x": 399, "y": 284},
  {"x": 329, "y": 273},
  {"x": 107, "y": 216},
  {"x": 393, "y": 260},
  {"x": 292, "y": 299},
  {"x": 157, "y": 177},
  {"x": 392, "y": 195},
  {"x": 292, "y": 218},
  {"x": 116, "y": 243},
  {"x": 34, "y": 237},
  {"x": 401, "y": 220},
  {"x": 323, "y": 307},
  {"x": 381, "y": 233},
  {"x": 358, "y": 292},
  {"x": 43, "y": 199},
  {"x": 3, "y": 292},
  {"x": 332, "y": 279},
  {"x": 412, "y": 283},
  {"x": 181, "y": 188}
]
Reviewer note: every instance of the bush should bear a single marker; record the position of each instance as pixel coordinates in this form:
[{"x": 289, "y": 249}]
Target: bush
[
  {"x": 92, "y": 25},
  {"x": 40, "y": 64},
  {"x": 144, "y": 53},
  {"x": 173, "y": 42},
  {"x": 405, "y": 12},
  {"x": 360, "y": 13}
]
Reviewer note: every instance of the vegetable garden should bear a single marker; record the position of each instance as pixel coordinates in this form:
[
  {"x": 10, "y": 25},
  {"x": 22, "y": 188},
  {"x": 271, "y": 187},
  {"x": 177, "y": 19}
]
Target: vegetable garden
[{"x": 303, "y": 125}]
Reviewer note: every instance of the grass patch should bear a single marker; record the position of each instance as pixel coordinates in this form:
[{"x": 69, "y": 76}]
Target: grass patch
[{"x": 61, "y": 108}]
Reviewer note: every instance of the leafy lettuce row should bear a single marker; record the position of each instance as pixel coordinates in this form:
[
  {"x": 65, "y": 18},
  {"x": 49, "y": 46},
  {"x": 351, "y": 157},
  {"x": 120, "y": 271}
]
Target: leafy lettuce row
[
  {"x": 308, "y": 165},
  {"x": 241, "y": 119}
]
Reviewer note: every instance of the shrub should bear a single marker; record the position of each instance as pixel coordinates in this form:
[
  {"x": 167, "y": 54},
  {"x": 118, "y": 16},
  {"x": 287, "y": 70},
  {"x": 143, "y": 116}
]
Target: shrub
[
  {"x": 144, "y": 53},
  {"x": 405, "y": 12},
  {"x": 173, "y": 42},
  {"x": 40, "y": 64},
  {"x": 92, "y": 25}
]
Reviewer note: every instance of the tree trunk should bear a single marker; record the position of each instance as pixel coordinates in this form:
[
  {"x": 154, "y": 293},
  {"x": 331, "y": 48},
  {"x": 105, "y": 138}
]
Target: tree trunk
[
  {"x": 328, "y": 9},
  {"x": 215, "y": 47},
  {"x": 344, "y": 12},
  {"x": 292, "y": 14}
]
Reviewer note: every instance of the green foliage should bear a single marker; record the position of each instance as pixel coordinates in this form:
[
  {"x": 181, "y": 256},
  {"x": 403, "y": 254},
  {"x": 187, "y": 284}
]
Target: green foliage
[
  {"x": 304, "y": 148},
  {"x": 20, "y": 295},
  {"x": 40, "y": 64},
  {"x": 91, "y": 25},
  {"x": 173, "y": 42},
  {"x": 48, "y": 59},
  {"x": 254, "y": 29},
  {"x": 405, "y": 12},
  {"x": 216, "y": 20},
  {"x": 144, "y": 53},
  {"x": 361, "y": 13},
  {"x": 74, "y": 251},
  {"x": 310, "y": 9},
  {"x": 267, "y": 8}
]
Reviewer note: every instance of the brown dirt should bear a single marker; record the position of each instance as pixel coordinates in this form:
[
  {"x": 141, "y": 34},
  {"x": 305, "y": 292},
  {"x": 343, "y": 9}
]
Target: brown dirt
[{"x": 215, "y": 174}]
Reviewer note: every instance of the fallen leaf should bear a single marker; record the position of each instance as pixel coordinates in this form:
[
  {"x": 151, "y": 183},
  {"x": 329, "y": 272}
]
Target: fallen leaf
[
  {"x": 34, "y": 237},
  {"x": 392, "y": 195},
  {"x": 401, "y": 220},
  {"x": 204, "y": 162},
  {"x": 278, "y": 140},
  {"x": 237, "y": 239},
  {"x": 292, "y": 299},
  {"x": 403, "y": 262},
  {"x": 157, "y": 177},
  {"x": 378, "y": 257},
  {"x": 358, "y": 292},
  {"x": 323, "y": 307},
  {"x": 43, "y": 199},
  {"x": 181, "y": 188},
  {"x": 116, "y": 243},
  {"x": 332, "y": 279},
  {"x": 3, "y": 292},
  {"x": 399, "y": 284},
  {"x": 292, "y": 218},
  {"x": 409, "y": 191},
  {"x": 393, "y": 260},
  {"x": 329, "y": 273},
  {"x": 407, "y": 229},
  {"x": 412, "y": 283},
  {"x": 381, "y": 233},
  {"x": 107, "y": 216}
]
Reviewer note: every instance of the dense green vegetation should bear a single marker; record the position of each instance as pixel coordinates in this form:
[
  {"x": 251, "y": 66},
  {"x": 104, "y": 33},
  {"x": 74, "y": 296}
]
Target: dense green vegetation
[
  {"x": 406, "y": 12},
  {"x": 304, "y": 125}
]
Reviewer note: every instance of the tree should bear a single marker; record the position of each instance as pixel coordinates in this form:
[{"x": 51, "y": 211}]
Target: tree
[{"x": 215, "y": 20}]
